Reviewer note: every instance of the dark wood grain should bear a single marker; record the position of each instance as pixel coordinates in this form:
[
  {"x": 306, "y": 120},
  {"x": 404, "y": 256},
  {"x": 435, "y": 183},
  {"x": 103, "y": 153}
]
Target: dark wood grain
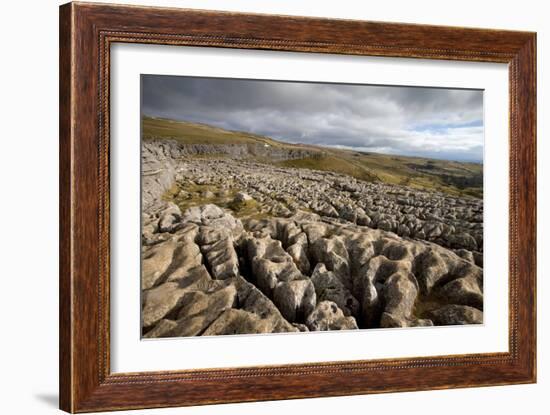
[
  {"x": 65, "y": 245},
  {"x": 86, "y": 33}
]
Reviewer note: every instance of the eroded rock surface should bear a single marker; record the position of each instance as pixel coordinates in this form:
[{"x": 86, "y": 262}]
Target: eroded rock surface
[{"x": 233, "y": 246}]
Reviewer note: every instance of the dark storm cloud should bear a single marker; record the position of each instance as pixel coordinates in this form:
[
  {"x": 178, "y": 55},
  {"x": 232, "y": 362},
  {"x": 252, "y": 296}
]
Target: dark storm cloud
[{"x": 431, "y": 122}]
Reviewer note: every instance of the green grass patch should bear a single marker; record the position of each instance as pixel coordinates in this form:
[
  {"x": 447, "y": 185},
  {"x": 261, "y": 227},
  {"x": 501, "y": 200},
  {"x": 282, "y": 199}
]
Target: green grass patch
[
  {"x": 187, "y": 195},
  {"x": 330, "y": 163},
  {"x": 244, "y": 208},
  {"x": 194, "y": 133}
]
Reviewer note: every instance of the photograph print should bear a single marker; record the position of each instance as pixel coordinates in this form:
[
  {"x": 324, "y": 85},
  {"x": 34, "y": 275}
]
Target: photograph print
[{"x": 285, "y": 207}]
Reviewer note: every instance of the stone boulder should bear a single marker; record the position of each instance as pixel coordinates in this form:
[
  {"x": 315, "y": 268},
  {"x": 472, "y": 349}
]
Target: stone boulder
[
  {"x": 200, "y": 309},
  {"x": 222, "y": 258},
  {"x": 270, "y": 263},
  {"x": 463, "y": 291},
  {"x": 187, "y": 257},
  {"x": 451, "y": 315},
  {"x": 333, "y": 253},
  {"x": 234, "y": 321},
  {"x": 155, "y": 262},
  {"x": 298, "y": 253},
  {"x": 254, "y": 301},
  {"x": 295, "y": 299},
  {"x": 242, "y": 197},
  {"x": 162, "y": 329},
  {"x": 160, "y": 301},
  {"x": 329, "y": 288},
  {"x": 213, "y": 216},
  {"x": 327, "y": 316},
  {"x": 400, "y": 292},
  {"x": 169, "y": 218},
  {"x": 430, "y": 268}
]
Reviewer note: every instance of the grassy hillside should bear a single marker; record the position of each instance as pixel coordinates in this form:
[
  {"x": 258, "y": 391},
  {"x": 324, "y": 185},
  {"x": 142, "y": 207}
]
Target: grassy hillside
[
  {"x": 194, "y": 133},
  {"x": 459, "y": 179},
  {"x": 332, "y": 162}
]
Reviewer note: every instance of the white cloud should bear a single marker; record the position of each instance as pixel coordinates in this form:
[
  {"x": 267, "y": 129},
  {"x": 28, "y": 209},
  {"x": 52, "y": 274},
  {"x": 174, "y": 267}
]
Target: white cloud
[{"x": 429, "y": 122}]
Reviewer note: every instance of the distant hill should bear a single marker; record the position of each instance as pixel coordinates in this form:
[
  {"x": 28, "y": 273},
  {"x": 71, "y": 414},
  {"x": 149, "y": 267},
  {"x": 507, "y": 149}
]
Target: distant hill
[
  {"x": 195, "y": 133},
  {"x": 455, "y": 178}
]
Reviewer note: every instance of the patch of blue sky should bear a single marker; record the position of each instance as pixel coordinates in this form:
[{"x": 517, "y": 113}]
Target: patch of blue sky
[{"x": 442, "y": 127}]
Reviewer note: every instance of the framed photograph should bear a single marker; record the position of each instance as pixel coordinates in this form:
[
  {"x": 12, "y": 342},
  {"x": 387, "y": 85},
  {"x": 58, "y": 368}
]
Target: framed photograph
[{"x": 259, "y": 207}]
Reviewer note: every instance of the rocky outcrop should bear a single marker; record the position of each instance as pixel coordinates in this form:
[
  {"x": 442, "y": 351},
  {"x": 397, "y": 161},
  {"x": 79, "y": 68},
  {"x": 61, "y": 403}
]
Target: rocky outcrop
[
  {"x": 329, "y": 287},
  {"x": 231, "y": 246},
  {"x": 454, "y": 222},
  {"x": 158, "y": 173},
  {"x": 220, "y": 275},
  {"x": 400, "y": 293},
  {"x": 451, "y": 315},
  {"x": 172, "y": 149},
  {"x": 327, "y": 316}
]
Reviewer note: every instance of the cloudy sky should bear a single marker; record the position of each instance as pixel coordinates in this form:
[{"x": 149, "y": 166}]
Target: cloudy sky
[{"x": 428, "y": 122}]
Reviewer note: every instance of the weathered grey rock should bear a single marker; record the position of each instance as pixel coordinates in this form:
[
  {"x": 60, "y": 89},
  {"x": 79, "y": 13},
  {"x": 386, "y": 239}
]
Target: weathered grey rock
[
  {"x": 371, "y": 304},
  {"x": 291, "y": 234},
  {"x": 298, "y": 253},
  {"x": 422, "y": 322},
  {"x": 325, "y": 209},
  {"x": 478, "y": 259},
  {"x": 207, "y": 194},
  {"x": 160, "y": 301},
  {"x": 253, "y": 300},
  {"x": 222, "y": 258},
  {"x": 403, "y": 230},
  {"x": 169, "y": 218},
  {"x": 315, "y": 231},
  {"x": 187, "y": 232},
  {"x": 270, "y": 263},
  {"x": 432, "y": 230},
  {"x": 450, "y": 221},
  {"x": 396, "y": 250},
  {"x": 235, "y": 321},
  {"x": 242, "y": 197},
  {"x": 187, "y": 256},
  {"x": 149, "y": 230},
  {"x": 197, "y": 277},
  {"x": 280, "y": 210},
  {"x": 201, "y": 214},
  {"x": 385, "y": 225},
  {"x": 327, "y": 316},
  {"x": 456, "y": 315},
  {"x": 300, "y": 327},
  {"x": 158, "y": 173},
  {"x": 279, "y": 250},
  {"x": 149, "y": 239},
  {"x": 463, "y": 291},
  {"x": 430, "y": 267},
  {"x": 162, "y": 329},
  {"x": 295, "y": 299},
  {"x": 213, "y": 216},
  {"x": 363, "y": 219},
  {"x": 465, "y": 254},
  {"x": 155, "y": 262},
  {"x": 200, "y": 309},
  {"x": 400, "y": 292},
  {"x": 463, "y": 240},
  {"x": 349, "y": 213},
  {"x": 333, "y": 253},
  {"x": 328, "y": 287},
  {"x": 209, "y": 235}
]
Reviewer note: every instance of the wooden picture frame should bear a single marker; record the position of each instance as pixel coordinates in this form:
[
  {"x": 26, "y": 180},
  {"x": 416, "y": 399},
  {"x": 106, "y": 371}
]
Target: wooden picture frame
[{"x": 86, "y": 33}]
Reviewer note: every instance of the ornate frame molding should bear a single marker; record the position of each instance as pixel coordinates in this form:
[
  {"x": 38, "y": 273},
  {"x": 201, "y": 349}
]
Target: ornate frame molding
[{"x": 86, "y": 34}]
